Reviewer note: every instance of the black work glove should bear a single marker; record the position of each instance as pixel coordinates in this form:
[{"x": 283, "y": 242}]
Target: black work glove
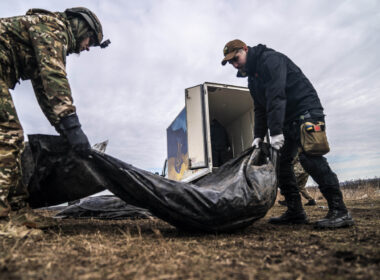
[{"x": 70, "y": 128}]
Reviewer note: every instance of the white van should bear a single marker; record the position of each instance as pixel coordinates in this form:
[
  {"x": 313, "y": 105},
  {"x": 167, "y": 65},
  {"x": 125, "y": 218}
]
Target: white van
[{"x": 190, "y": 143}]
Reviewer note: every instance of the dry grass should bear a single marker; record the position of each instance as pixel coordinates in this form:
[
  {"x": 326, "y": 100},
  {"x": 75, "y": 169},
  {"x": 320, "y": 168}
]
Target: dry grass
[
  {"x": 361, "y": 192},
  {"x": 152, "y": 249}
]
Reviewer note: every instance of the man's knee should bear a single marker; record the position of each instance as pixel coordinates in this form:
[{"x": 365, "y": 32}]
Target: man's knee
[
  {"x": 311, "y": 164},
  {"x": 319, "y": 170}
]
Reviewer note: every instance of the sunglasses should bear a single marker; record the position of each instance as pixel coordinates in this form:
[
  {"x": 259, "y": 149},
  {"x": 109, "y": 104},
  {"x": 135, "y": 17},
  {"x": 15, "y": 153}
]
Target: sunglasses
[{"x": 235, "y": 58}]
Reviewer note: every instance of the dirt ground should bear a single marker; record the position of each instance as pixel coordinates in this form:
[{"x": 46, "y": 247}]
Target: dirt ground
[{"x": 152, "y": 249}]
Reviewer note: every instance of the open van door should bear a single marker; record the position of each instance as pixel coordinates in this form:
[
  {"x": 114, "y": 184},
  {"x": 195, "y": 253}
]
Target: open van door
[{"x": 196, "y": 127}]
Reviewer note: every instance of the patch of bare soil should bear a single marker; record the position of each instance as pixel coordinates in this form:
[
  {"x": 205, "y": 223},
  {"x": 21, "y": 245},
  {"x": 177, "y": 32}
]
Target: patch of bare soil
[{"x": 152, "y": 249}]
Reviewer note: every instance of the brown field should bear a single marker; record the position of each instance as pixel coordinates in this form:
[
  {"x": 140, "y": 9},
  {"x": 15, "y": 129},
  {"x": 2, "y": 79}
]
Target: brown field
[{"x": 152, "y": 249}]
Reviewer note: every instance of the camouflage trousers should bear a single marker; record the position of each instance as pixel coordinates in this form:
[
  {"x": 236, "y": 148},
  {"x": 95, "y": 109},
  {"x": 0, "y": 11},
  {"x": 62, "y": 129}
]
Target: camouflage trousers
[
  {"x": 12, "y": 192},
  {"x": 301, "y": 177}
]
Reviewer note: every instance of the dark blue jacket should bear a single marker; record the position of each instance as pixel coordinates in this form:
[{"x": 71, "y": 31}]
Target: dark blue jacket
[{"x": 280, "y": 91}]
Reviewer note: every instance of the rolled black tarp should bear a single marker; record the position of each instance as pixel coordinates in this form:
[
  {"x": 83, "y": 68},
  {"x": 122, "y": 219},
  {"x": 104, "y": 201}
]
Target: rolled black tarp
[
  {"x": 107, "y": 207},
  {"x": 238, "y": 193}
]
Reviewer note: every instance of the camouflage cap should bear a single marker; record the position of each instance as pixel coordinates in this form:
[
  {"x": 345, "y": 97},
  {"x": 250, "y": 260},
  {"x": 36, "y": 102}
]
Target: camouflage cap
[{"x": 231, "y": 48}]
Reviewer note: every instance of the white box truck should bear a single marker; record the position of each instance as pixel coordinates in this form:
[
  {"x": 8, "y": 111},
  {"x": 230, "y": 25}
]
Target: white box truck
[{"x": 191, "y": 137}]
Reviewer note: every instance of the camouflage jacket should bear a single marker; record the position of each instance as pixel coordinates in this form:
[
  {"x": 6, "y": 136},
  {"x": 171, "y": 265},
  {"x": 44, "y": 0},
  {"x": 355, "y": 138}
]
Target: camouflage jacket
[{"x": 35, "y": 47}]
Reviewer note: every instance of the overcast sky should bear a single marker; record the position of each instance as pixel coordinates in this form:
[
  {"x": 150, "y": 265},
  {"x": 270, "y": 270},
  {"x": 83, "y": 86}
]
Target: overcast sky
[{"x": 131, "y": 91}]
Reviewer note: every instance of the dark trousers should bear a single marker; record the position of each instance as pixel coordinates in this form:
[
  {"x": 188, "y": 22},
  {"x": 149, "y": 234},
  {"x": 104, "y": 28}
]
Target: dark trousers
[{"x": 316, "y": 166}]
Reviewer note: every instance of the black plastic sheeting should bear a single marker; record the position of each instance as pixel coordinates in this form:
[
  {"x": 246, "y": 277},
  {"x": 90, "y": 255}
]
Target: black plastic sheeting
[
  {"x": 107, "y": 207},
  {"x": 237, "y": 194},
  {"x": 55, "y": 175}
]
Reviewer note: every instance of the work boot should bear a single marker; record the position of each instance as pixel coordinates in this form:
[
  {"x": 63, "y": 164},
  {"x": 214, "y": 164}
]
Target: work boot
[
  {"x": 294, "y": 214},
  {"x": 28, "y": 217},
  {"x": 338, "y": 216},
  {"x": 311, "y": 202}
]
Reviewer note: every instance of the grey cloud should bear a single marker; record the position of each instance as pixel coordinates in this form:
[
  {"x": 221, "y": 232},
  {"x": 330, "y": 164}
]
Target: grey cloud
[{"x": 130, "y": 92}]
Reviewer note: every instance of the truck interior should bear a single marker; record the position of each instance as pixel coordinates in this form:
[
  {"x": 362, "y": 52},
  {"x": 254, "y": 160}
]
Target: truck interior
[
  {"x": 233, "y": 109},
  {"x": 209, "y": 106}
]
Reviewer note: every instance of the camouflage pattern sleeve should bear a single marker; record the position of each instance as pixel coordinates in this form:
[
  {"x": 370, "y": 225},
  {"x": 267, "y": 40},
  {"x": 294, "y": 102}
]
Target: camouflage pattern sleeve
[{"x": 52, "y": 88}]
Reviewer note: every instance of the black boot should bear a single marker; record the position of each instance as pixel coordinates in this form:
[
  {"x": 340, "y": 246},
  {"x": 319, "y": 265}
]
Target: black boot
[
  {"x": 294, "y": 214},
  {"x": 338, "y": 216}
]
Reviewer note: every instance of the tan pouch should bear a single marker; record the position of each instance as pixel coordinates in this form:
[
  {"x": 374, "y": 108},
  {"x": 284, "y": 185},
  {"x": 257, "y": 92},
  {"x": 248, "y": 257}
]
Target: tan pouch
[{"x": 313, "y": 138}]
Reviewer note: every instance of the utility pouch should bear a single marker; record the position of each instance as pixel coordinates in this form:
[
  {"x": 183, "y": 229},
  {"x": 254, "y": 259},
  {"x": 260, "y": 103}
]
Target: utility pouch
[{"x": 313, "y": 138}]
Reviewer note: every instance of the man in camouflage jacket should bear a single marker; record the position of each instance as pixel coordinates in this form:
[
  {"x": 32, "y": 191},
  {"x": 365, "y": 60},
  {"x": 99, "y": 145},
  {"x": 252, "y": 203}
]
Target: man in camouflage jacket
[{"x": 35, "y": 47}]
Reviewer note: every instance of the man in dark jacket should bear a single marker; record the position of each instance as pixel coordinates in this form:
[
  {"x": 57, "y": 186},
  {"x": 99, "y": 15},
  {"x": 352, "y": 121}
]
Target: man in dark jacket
[{"x": 284, "y": 99}]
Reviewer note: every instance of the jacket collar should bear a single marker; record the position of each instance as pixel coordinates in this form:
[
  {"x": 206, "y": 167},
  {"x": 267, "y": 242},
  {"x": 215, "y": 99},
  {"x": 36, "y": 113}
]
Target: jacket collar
[{"x": 253, "y": 55}]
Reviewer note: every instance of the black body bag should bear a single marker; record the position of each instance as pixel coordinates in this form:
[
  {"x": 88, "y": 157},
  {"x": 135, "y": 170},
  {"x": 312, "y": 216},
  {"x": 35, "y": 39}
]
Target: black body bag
[{"x": 238, "y": 193}]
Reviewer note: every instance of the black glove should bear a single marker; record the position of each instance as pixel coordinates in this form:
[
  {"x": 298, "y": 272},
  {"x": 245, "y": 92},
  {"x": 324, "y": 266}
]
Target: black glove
[{"x": 70, "y": 128}]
